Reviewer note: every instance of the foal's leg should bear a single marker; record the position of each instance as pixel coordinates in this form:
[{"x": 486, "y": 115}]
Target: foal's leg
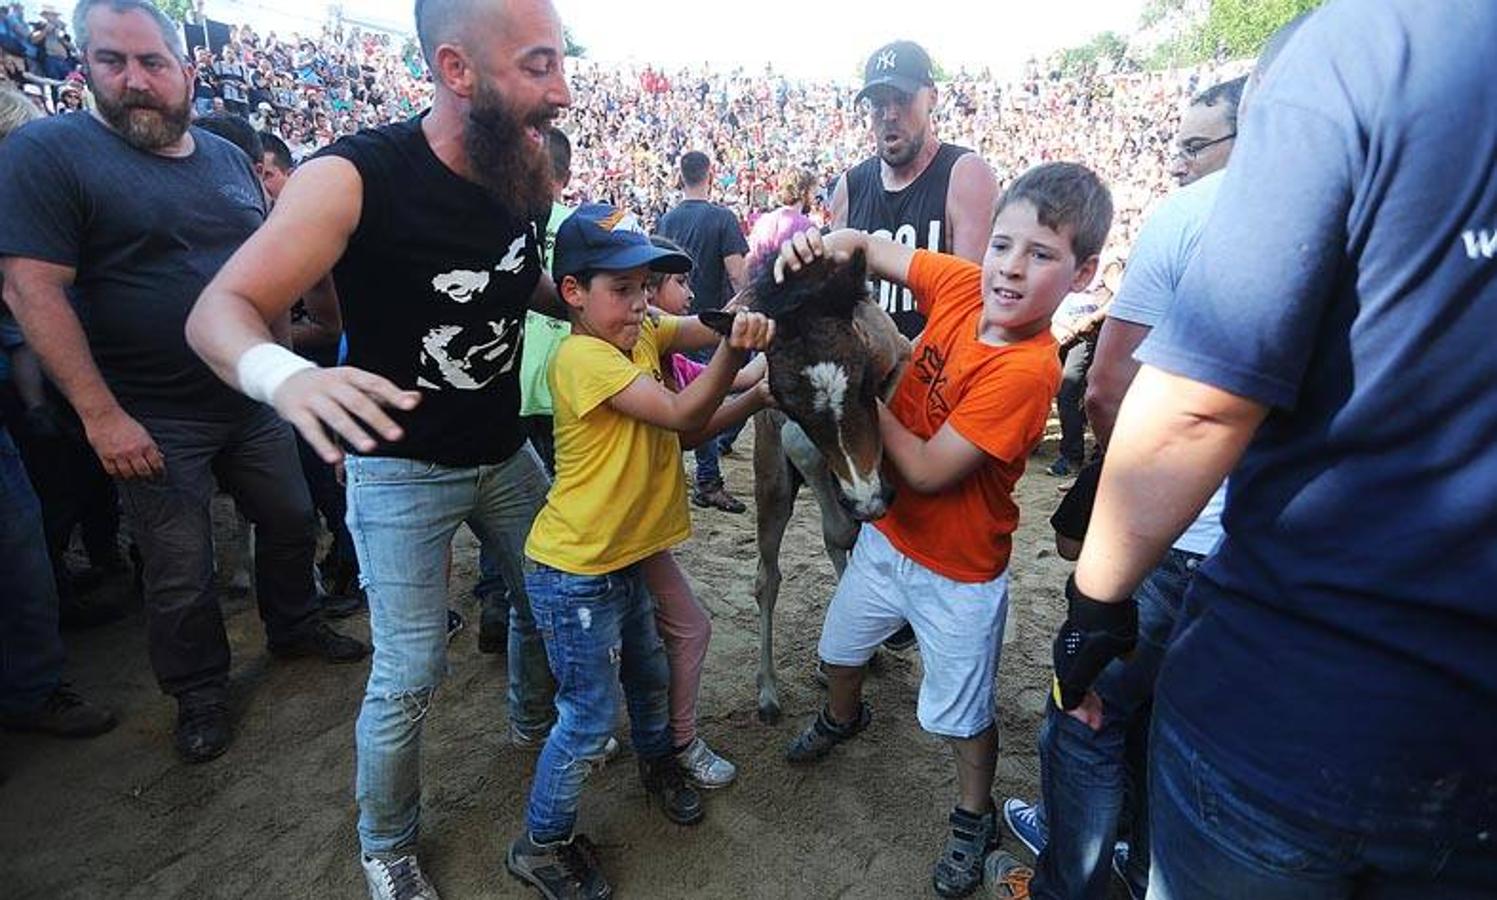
[{"x": 774, "y": 500}]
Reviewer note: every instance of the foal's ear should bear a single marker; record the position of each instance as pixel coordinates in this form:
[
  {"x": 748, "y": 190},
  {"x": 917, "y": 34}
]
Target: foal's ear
[{"x": 720, "y": 322}]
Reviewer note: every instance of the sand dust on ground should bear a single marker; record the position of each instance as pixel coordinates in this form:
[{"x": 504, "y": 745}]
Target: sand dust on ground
[{"x": 120, "y": 816}]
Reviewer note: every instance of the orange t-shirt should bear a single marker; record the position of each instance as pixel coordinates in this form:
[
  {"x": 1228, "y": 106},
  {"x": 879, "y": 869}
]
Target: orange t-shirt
[{"x": 996, "y": 397}]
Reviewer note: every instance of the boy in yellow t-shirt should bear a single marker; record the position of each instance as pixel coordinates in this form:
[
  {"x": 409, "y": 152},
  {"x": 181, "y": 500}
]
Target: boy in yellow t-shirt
[{"x": 619, "y": 497}]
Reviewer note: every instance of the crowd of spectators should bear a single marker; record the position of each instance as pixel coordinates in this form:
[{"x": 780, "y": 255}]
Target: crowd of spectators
[{"x": 630, "y": 125}]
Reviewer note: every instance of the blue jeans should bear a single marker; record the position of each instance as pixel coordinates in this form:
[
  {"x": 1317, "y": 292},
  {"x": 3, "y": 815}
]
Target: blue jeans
[
  {"x": 1215, "y": 839},
  {"x": 599, "y": 631},
  {"x": 30, "y": 647},
  {"x": 402, "y": 514},
  {"x": 1085, "y": 775}
]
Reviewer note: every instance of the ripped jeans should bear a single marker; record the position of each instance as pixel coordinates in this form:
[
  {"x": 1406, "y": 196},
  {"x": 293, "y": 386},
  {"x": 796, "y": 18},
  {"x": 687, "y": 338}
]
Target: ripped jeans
[
  {"x": 599, "y": 630},
  {"x": 402, "y": 514}
]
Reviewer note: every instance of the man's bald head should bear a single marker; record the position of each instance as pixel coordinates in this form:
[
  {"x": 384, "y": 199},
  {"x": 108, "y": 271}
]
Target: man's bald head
[{"x": 441, "y": 22}]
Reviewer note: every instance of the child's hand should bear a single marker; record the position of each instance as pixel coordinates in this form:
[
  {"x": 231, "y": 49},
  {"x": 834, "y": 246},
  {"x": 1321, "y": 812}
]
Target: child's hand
[
  {"x": 763, "y": 394},
  {"x": 751, "y": 331},
  {"x": 800, "y": 250}
]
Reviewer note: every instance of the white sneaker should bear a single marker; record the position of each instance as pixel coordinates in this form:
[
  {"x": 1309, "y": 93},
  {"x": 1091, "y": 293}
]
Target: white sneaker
[
  {"x": 704, "y": 768},
  {"x": 397, "y": 878}
]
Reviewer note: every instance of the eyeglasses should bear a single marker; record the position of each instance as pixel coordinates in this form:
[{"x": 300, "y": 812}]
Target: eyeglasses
[{"x": 1193, "y": 148}]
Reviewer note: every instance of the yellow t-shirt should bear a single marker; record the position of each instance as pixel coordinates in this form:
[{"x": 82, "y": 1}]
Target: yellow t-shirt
[{"x": 620, "y": 492}]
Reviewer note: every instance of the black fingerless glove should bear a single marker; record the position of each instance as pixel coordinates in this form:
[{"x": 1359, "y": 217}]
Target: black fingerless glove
[{"x": 1094, "y": 634}]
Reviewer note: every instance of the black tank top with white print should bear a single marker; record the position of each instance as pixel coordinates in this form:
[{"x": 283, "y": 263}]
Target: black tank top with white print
[{"x": 433, "y": 288}]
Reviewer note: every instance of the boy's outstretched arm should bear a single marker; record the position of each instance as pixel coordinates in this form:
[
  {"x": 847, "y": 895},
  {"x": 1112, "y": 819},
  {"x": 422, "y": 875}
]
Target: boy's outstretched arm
[
  {"x": 887, "y": 259},
  {"x": 932, "y": 466},
  {"x": 691, "y": 409}
]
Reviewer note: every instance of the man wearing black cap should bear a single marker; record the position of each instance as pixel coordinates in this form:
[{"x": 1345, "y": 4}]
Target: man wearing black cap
[{"x": 916, "y": 189}]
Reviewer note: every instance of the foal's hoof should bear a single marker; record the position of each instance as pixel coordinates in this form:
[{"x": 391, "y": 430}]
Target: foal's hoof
[{"x": 769, "y": 712}]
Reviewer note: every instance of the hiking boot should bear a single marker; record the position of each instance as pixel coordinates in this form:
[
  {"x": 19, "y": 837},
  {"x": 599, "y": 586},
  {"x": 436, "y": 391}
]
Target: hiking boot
[
  {"x": 1023, "y": 820},
  {"x": 958, "y": 872},
  {"x": 63, "y": 714},
  {"x": 663, "y": 780},
  {"x": 396, "y": 876},
  {"x": 203, "y": 730},
  {"x": 901, "y": 640},
  {"x": 704, "y": 768},
  {"x": 493, "y": 631},
  {"x": 716, "y": 495},
  {"x": 323, "y": 642},
  {"x": 1006, "y": 877},
  {"x": 562, "y": 870},
  {"x": 823, "y": 734}
]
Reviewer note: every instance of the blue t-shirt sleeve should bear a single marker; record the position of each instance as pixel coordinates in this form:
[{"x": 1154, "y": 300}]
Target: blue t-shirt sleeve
[
  {"x": 43, "y": 210},
  {"x": 733, "y": 240},
  {"x": 1248, "y": 309}
]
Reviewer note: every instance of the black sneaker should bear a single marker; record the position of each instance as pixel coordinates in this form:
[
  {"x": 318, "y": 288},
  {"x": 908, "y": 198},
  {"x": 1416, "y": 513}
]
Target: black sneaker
[
  {"x": 564, "y": 870},
  {"x": 823, "y": 734},
  {"x": 203, "y": 731},
  {"x": 664, "y": 781},
  {"x": 323, "y": 642},
  {"x": 63, "y": 714},
  {"x": 958, "y": 871},
  {"x": 901, "y": 640}
]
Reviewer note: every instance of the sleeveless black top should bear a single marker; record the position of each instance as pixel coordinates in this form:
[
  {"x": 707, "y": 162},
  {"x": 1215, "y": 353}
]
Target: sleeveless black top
[
  {"x": 914, "y": 216},
  {"x": 433, "y": 287}
]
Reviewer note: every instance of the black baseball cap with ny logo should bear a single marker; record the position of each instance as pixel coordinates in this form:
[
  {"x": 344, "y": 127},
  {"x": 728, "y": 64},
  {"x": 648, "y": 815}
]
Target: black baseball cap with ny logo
[{"x": 902, "y": 65}]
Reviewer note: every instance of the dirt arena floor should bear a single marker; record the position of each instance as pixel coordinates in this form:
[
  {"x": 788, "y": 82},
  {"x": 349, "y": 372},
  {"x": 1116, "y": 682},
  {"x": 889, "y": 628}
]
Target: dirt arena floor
[{"x": 120, "y": 816}]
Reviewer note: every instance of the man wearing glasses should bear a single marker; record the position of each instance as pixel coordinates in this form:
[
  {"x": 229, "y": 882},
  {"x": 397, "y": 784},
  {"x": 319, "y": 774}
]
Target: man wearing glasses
[
  {"x": 916, "y": 189},
  {"x": 1208, "y": 129},
  {"x": 1072, "y": 832}
]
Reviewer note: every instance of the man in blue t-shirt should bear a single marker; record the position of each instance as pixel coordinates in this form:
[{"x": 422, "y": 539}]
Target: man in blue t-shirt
[
  {"x": 713, "y": 237},
  {"x": 1326, "y": 709}
]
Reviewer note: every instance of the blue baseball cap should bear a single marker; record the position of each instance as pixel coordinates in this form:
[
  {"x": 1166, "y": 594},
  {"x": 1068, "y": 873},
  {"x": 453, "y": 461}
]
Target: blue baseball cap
[{"x": 597, "y": 237}]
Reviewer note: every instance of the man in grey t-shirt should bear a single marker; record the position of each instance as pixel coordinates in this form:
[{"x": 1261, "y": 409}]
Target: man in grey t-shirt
[{"x": 128, "y": 213}]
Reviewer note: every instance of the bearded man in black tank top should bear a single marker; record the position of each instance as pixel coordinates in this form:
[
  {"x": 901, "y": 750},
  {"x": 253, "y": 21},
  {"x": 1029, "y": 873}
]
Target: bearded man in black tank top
[
  {"x": 432, "y": 231},
  {"x": 915, "y": 189}
]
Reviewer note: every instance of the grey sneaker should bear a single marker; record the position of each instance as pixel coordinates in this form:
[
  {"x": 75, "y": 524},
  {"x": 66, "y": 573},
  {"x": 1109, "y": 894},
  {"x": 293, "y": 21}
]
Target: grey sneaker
[
  {"x": 396, "y": 877},
  {"x": 704, "y": 768}
]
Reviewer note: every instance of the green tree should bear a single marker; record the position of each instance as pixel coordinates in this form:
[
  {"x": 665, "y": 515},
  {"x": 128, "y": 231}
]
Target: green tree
[
  {"x": 573, "y": 49},
  {"x": 178, "y": 10},
  {"x": 1240, "y": 27},
  {"x": 1109, "y": 46}
]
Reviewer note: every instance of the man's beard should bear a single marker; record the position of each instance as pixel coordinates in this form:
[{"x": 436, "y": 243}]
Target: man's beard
[
  {"x": 142, "y": 121},
  {"x": 505, "y": 159}
]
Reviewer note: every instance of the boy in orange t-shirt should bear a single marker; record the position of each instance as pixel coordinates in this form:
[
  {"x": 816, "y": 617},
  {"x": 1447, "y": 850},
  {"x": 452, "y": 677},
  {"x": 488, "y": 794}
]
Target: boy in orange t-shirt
[{"x": 960, "y": 426}]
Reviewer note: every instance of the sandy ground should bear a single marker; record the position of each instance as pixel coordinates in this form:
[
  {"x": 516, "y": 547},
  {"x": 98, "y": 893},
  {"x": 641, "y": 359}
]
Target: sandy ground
[{"x": 120, "y": 816}]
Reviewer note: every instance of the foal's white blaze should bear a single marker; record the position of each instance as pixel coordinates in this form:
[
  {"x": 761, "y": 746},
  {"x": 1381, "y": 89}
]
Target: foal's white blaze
[
  {"x": 828, "y": 387},
  {"x": 828, "y": 393}
]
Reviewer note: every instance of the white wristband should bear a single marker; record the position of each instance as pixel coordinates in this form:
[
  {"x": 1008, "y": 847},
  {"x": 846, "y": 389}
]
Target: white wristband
[{"x": 263, "y": 367}]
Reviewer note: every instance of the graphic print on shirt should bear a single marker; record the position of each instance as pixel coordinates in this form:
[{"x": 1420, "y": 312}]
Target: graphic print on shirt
[
  {"x": 468, "y": 356},
  {"x": 930, "y": 369},
  {"x": 514, "y": 259}
]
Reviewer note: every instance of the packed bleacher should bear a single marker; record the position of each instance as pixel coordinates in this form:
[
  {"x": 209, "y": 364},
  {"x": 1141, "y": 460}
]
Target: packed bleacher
[{"x": 630, "y": 125}]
